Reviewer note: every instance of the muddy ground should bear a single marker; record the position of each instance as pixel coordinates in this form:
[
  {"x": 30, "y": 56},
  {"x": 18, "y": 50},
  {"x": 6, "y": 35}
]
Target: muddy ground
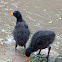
[{"x": 40, "y": 15}]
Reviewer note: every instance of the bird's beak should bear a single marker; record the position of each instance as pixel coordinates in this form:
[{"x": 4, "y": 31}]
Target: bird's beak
[
  {"x": 12, "y": 14},
  {"x": 27, "y": 58},
  {"x": 1, "y": 42}
]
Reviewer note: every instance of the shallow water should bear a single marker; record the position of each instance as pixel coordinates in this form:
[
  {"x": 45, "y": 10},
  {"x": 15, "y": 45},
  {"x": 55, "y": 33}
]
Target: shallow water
[{"x": 39, "y": 14}]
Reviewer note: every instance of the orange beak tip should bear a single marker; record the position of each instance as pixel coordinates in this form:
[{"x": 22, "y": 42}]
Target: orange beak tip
[
  {"x": 27, "y": 57},
  {"x": 12, "y": 14}
]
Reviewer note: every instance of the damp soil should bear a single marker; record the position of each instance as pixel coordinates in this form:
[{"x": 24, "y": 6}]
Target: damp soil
[{"x": 39, "y": 15}]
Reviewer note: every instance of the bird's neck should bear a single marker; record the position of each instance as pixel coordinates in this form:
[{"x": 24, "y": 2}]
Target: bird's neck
[{"x": 19, "y": 19}]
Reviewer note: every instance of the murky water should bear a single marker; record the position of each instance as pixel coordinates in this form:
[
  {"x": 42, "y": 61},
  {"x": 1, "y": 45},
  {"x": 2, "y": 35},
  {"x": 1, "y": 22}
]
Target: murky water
[{"x": 39, "y": 14}]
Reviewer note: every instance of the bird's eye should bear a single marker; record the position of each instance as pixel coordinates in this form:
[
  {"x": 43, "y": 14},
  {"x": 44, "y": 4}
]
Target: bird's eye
[{"x": 15, "y": 12}]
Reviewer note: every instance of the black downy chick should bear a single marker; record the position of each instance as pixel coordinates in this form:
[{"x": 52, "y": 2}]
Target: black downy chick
[
  {"x": 40, "y": 40},
  {"x": 21, "y": 31}
]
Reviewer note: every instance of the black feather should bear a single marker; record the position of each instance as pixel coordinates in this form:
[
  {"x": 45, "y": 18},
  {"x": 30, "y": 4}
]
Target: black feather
[
  {"x": 40, "y": 40},
  {"x": 21, "y": 31}
]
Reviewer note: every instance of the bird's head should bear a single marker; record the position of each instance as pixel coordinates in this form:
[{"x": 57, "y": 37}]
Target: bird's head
[
  {"x": 28, "y": 52},
  {"x": 17, "y": 14}
]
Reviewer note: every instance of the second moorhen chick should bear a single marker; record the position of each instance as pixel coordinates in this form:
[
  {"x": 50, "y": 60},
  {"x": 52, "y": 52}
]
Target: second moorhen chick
[{"x": 40, "y": 40}]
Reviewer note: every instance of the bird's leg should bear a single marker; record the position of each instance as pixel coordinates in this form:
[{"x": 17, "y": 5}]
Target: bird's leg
[
  {"x": 39, "y": 52},
  {"x": 49, "y": 48},
  {"x": 16, "y": 46}
]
